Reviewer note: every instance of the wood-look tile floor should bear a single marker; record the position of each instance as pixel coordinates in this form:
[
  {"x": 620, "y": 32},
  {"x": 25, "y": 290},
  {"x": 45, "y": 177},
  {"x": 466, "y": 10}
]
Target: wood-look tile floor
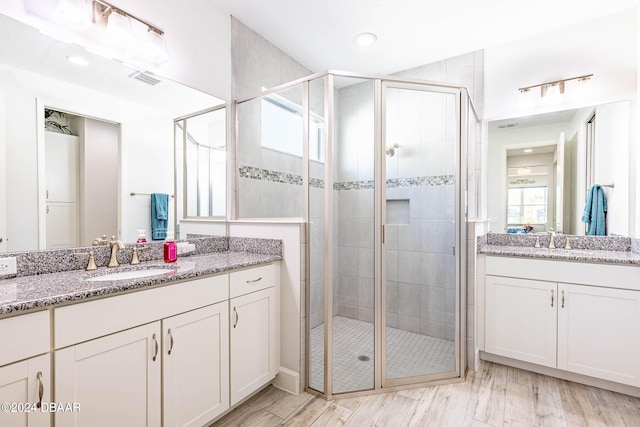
[{"x": 495, "y": 395}]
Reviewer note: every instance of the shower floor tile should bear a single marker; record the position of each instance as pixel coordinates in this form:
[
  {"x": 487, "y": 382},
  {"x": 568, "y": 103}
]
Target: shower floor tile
[{"x": 409, "y": 354}]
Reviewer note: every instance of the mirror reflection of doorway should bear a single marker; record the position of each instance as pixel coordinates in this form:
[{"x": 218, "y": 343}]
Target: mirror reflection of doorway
[{"x": 80, "y": 179}]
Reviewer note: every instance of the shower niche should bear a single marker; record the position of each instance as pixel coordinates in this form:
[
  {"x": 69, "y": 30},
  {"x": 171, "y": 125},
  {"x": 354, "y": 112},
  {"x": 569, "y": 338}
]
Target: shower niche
[{"x": 381, "y": 180}]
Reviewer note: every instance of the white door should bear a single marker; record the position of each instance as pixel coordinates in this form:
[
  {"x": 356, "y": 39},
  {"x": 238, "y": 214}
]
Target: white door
[
  {"x": 599, "y": 333},
  {"x": 253, "y": 342},
  {"x": 115, "y": 379},
  {"x": 195, "y": 351},
  {"x": 62, "y": 225},
  {"x": 61, "y": 194},
  {"x": 521, "y": 319},
  {"x": 28, "y": 381}
]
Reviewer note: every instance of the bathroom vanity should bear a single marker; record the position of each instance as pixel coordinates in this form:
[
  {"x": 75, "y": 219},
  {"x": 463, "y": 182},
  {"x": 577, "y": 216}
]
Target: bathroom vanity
[
  {"x": 572, "y": 313},
  {"x": 179, "y": 348}
]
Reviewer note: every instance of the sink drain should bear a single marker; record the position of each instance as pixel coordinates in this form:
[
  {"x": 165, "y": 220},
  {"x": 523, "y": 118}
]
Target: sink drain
[{"x": 363, "y": 358}]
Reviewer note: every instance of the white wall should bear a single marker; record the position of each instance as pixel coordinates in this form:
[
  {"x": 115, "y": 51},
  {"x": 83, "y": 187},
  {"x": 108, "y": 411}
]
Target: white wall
[
  {"x": 197, "y": 35},
  {"x": 292, "y": 313},
  {"x": 605, "y": 47}
]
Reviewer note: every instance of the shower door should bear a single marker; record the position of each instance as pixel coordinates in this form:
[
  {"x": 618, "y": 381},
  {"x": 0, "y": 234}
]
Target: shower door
[{"x": 420, "y": 216}]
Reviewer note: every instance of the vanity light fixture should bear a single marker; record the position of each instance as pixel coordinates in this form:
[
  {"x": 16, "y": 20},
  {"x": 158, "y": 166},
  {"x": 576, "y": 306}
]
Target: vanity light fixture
[
  {"x": 135, "y": 35},
  {"x": 556, "y": 87},
  {"x": 365, "y": 39}
]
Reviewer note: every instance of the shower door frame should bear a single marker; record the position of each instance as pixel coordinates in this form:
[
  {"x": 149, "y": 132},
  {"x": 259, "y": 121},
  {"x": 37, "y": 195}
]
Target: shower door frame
[{"x": 380, "y": 316}]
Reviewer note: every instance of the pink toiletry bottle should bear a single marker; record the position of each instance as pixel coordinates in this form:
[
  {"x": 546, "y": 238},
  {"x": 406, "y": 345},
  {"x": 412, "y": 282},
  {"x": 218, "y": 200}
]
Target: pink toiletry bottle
[{"x": 170, "y": 249}]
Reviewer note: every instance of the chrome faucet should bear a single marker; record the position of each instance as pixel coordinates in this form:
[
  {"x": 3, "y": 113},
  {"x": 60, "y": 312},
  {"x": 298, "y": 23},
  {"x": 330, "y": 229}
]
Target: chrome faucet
[
  {"x": 115, "y": 245},
  {"x": 552, "y": 239}
]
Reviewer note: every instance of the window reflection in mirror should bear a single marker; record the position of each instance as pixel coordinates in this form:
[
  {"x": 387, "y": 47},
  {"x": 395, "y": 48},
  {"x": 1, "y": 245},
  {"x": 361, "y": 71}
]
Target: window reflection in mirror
[{"x": 201, "y": 164}]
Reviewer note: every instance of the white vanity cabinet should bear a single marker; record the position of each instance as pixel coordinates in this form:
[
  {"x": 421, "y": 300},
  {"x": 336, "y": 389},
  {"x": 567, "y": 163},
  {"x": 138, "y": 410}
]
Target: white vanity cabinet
[
  {"x": 115, "y": 379},
  {"x": 162, "y": 356},
  {"x": 254, "y": 330},
  {"x": 588, "y": 327},
  {"x": 521, "y": 319},
  {"x": 25, "y": 370},
  {"x": 28, "y": 381},
  {"x": 599, "y": 332},
  {"x": 195, "y": 362}
]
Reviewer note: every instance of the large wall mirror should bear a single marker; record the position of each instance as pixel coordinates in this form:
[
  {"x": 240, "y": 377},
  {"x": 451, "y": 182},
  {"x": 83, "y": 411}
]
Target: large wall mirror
[
  {"x": 112, "y": 144},
  {"x": 540, "y": 168}
]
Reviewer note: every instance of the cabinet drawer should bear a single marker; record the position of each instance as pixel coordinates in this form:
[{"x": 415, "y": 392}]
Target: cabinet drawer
[
  {"x": 89, "y": 320},
  {"x": 251, "y": 280},
  {"x": 24, "y": 336}
]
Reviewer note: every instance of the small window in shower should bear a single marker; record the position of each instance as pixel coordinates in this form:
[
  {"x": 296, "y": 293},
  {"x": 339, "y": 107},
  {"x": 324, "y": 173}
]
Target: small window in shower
[
  {"x": 398, "y": 211},
  {"x": 282, "y": 128}
]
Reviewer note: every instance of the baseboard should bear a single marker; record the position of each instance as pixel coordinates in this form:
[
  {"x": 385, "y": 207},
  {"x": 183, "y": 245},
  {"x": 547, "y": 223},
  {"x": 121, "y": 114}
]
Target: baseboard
[
  {"x": 287, "y": 380},
  {"x": 559, "y": 373}
]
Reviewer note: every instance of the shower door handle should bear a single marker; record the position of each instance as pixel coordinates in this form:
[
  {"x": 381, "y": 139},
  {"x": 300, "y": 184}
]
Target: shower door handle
[{"x": 383, "y": 233}]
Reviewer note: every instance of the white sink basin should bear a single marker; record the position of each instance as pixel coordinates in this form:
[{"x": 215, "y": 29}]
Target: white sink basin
[{"x": 131, "y": 274}]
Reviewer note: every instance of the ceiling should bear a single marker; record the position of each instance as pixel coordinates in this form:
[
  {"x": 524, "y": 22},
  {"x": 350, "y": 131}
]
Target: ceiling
[{"x": 320, "y": 34}]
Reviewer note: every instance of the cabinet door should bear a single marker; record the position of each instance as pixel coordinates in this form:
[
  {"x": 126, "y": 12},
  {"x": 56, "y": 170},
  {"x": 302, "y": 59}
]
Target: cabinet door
[
  {"x": 599, "y": 333},
  {"x": 254, "y": 342},
  {"x": 196, "y": 366},
  {"x": 521, "y": 319},
  {"x": 28, "y": 381},
  {"x": 115, "y": 379}
]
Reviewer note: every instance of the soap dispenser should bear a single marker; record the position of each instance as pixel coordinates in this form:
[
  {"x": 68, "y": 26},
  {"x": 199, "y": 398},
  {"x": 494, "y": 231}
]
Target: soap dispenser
[{"x": 170, "y": 249}]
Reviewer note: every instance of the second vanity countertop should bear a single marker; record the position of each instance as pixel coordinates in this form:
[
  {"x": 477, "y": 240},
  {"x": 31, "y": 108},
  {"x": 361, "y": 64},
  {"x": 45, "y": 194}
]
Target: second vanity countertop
[
  {"x": 27, "y": 293},
  {"x": 579, "y": 255}
]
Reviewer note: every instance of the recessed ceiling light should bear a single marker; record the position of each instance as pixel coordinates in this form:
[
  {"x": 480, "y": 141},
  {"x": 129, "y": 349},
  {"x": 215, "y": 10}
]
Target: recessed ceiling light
[
  {"x": 528, "y": 150},
  {"x": 365, "y": 39},
  {"x": 78, "y": 60}
]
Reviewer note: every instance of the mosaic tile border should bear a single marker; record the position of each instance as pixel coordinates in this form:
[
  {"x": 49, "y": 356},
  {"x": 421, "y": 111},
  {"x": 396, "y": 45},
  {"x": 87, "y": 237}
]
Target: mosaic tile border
[{"x": 251, "y": 172}]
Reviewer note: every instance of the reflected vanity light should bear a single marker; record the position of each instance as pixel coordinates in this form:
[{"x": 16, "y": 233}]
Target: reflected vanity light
[
  {"x": 528, "y": 150},
  {"x": 119, "y": 34},
  {"x": 133, "y": 34}
]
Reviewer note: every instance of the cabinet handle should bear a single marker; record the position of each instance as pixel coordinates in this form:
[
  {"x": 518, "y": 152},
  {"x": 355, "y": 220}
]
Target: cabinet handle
[
  {"x": 254, "y": 280},
  {"x": 171, "y": 341},
  {"x": 551, "y": 297},
  {"x": 155, "y": 341},
  {"x": 562, "y": 299},
  {"x": 40, "y": 389},
  {"x": 237, "y": 317}
]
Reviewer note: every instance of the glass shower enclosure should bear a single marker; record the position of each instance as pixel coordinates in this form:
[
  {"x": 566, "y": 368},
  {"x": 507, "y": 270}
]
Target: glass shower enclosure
[{"x": 382, "y": 163}]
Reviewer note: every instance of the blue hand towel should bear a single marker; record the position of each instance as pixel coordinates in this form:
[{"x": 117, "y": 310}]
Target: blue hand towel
[
  {"x": 159, "y": 215},
  {"x": 594, "y": 211}
]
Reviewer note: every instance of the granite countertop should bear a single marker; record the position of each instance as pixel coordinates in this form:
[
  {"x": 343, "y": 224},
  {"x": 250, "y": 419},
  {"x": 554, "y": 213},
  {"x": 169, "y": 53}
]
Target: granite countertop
[
  {"x": 26, "y": 293},
  {"x": 579, "y": 255}
]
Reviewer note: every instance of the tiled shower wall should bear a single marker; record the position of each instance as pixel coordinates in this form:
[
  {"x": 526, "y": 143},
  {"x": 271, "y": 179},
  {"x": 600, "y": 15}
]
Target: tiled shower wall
[{"x": 270, "y": 183}]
